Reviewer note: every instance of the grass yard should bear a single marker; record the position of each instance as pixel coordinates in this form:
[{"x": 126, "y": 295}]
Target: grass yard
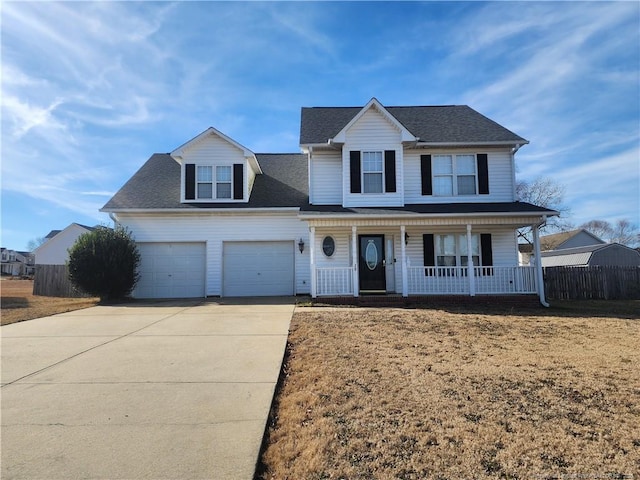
[
  {"x": 434, "y": 394},
  {"x": 18, "y": 303}
]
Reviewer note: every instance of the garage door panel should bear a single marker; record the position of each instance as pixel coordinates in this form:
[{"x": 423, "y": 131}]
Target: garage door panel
[
  {"x": 258, "y": 268},
  {"x": 171, "y": 270}
]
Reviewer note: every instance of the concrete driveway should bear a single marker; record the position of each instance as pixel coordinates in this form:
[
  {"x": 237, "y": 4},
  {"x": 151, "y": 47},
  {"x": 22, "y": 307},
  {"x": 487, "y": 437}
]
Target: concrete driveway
[{"x": 176, "y": 390}]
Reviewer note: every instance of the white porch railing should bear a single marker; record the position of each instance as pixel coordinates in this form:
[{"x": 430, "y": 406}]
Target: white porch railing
[
  {"x": 437, "y": 281},
  {"x": 455, "y": 280},
  {"x": 334, "y": 281},
  {"x": 505, "y": 279}
]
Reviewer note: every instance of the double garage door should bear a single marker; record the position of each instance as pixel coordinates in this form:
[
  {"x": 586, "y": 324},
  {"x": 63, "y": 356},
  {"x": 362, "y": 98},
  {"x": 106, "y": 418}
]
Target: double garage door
[{"x": 177, "y": 270}]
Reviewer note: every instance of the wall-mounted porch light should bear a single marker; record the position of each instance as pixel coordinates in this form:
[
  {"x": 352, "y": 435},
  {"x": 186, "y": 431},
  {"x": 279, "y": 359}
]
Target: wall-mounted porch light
[
  {"x": 406, "y": 238},
  {"x": 301, "y": 245}
]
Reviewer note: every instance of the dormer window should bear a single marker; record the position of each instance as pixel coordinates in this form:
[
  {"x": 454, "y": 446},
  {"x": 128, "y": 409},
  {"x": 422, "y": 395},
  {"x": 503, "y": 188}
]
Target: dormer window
[
  {"x": 223, "y": 181},
  {"x": 213, "y": 182},
  {"x": 205, "y": 182}
]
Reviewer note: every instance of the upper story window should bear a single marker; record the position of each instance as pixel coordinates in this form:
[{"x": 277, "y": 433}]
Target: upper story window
[
  {"x": 223, "y": 181},
  {"x": 454, "y": 175},
  {"x": 372, "y": 172},
  {"x": 204, "y": 180},
  {"x": 213, "y": 182}
]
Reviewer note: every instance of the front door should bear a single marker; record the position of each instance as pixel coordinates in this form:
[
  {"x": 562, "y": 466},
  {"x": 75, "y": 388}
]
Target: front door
[{"x": 371, "y": 264}]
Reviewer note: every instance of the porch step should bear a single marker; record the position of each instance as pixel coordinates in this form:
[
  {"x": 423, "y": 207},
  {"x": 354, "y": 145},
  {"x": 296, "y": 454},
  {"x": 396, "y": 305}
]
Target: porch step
[{"x": 433, "y": 301}]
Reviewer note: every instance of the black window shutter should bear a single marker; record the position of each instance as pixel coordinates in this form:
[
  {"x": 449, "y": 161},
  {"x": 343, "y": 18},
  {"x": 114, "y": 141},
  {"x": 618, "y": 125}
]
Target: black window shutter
[
  {"x": 425, "y": 172},
  {"x": 238, "y": 181},
  {"x": 190, "y": 181},
  {"x": 390, "y": 171},
  {"x": 428, "y": 249},
  {"x": 483, "y": 174},
  {"x": 487, "y": 251},
  {"x": 354, "y": 157}
]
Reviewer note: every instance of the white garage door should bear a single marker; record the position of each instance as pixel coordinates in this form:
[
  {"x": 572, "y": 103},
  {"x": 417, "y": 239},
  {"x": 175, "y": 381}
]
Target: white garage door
[
  {"x": 171, "y": 270},
  {"x": 257, "y": 269}
]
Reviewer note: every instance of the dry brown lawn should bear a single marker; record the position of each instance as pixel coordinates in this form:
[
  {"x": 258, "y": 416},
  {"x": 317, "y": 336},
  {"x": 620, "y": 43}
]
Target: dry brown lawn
[
  {"x": 434, "y": 394},
  {"x": 18, "y": 302}
]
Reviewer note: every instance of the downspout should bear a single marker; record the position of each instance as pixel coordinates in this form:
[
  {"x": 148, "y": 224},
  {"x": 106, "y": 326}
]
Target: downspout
[
  {"x": 113, "y": 219},
  {"x": 538, "y": 261}
]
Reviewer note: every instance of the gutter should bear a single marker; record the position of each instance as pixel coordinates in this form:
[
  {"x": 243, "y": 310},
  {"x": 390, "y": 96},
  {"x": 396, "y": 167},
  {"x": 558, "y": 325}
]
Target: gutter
[
  {"x": 203, "y": 211},
  {"x": 329, "y": 215}
]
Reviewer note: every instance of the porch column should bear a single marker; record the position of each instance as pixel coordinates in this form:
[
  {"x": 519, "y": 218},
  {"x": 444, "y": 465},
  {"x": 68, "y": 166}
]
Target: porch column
[
  {"x": 538, "y": 264},
  {"x": 312, "y": 256},
  {"x": 354, "y": 255},
  {"x": 470, "y": 270},
  {"x": 403, "y": 262}
]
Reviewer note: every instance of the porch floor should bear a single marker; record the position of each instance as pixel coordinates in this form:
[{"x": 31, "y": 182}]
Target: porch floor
[{"x": 432, "y": 301}]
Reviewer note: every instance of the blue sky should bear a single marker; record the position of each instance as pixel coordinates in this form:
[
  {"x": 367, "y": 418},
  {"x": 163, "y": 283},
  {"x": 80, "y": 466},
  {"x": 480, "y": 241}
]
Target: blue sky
[{"x": 91, "y": 90}]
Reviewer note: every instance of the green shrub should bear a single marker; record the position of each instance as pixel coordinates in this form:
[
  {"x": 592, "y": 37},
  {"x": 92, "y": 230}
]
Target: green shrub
[{"x": 104, "y": 263}]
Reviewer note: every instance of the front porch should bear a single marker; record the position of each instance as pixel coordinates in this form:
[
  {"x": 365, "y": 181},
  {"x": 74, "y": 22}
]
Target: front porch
[{"x": 420, "y": 257}]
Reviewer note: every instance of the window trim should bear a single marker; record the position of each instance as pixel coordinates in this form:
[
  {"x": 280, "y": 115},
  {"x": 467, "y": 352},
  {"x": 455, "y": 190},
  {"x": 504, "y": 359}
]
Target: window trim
[
  {"x": 454, "y": 175},
  {"x": 381, "y": 172}
]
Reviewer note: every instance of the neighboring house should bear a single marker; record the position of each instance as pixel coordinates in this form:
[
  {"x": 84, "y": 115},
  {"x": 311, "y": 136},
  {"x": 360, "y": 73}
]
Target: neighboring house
[
  {"x": 559, "y": 241},
  {"x": 404, "y": 200},
  {"x": 570, "y": 239},
  {"x": 16, "y": 263},
  {"x": 608, "y": 254},
  {"x": 55, "y": 249}
]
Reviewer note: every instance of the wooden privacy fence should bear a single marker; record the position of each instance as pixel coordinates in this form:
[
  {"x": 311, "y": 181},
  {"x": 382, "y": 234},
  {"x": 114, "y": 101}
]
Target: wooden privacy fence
[
  {"x": 53, "y": 281},
  {"x": 600, "y": 282}
]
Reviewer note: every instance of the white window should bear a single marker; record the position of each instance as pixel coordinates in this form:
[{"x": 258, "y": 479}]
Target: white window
[
  {"x": 223, "y": 181},
  {"x": 204, "y": 181},
  {"x": 451, "y": 250},
  {"x": 454, "y": 175},
  {"x": 372, "y": 172}
]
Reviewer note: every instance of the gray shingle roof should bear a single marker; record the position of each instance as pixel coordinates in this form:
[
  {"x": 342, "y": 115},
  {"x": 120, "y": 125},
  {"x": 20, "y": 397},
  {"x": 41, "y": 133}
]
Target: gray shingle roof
[
  {"x": 157, "y": 185},
  {"x": 436, "y": 124}
]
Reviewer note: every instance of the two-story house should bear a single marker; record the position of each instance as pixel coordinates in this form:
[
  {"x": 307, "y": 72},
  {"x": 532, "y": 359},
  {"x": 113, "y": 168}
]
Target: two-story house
[
  {"x": 402, "y": 200},
  {"x": 16, "y": 263}
]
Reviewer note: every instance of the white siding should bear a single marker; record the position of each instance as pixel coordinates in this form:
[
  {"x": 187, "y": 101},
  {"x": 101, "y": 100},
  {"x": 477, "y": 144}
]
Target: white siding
[
  {"x": 501, "y": 188},
  {"x": 55, "y": 250},
  {"x": 214, "y": 229},
  {"x": 212, "y": 150},
  {"x": 326, "y": 172},
  {"x": 372, "y": 132}
]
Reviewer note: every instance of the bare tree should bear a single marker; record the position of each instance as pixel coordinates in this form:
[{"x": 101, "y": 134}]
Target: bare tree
[
  {"x": 544, "y": 192},
  {"x": 600, "y": 228},
  {"x": 623, "y": 231},
  {"x": 35, "y": 243},
  {"x": 626, "y": 233}
]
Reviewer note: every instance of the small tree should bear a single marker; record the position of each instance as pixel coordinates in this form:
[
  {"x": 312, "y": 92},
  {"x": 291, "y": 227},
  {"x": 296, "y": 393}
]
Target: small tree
[{"x": 104, "y": 263}]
